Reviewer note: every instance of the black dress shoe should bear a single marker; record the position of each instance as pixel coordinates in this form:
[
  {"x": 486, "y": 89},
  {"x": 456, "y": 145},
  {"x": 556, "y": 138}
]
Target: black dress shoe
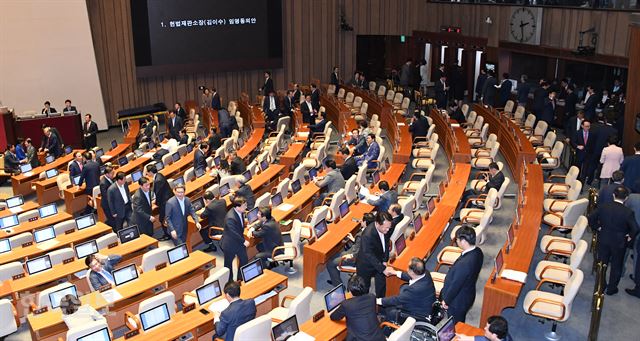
[
  {"x": 163, "y": 238},
  {"x": 612, "y": 291},
  {"x": 210, "y": 248},
  {"x": 633, "y": 292}
]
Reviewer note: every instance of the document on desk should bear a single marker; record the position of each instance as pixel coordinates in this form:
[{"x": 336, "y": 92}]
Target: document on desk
[
  {"x": 455, "y": 125},
  {"x": 514, "y": 275},
  {"x": 401, "y": 124},
  {"x": 301, "y": 336},
  {"x": 47, "y": 244},
  {"x": 265, "y": 297},
  {"x": 303, "y": 134},
  {"x": 81, "y": 274},
  {"x": 218, "y": 305},
  {"x": 16, "y": 209},
  {"x": 286, "y": 207},
  {"x": 111, "y": 295},
  {"x": 27, "y": 174}
]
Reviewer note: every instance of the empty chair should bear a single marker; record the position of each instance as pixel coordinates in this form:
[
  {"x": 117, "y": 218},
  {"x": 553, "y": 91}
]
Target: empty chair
[
  {"x": 341, "y": 93},
  {"x": 189, "y": 175},
  {"x": 447, "y": 256},
  {"x": 290, "y": 251},
  {"x": 537, "y": 135},
  {"x": 263, "y": 200},
  {"x": 482, "y": 162},
  {"x": 24, "y": 217},
  {"x": 508, "y": 107},
  {"x": 480, "y": 226},
  {"x": 561, "y": 246},
  {"x": 424, "y": 163},
  {"x": 476, "y": 128},
  {"x": 130, "y": 156},
  {"x": 402, "y": 332},
  {"x": 76, "y": 333},
  {"x": 10, "y": 321},
  {"x": 282, "y": 188},
  {"x": 372, "y": 86},
  {"x": 221, "y": 275},
  {"x": 349, "y": 98},
  {"x": 20, "y": 239},
  {"x": 557, "y": 272},
  {"x": 397, "y": 100},
  {"x": 559, "y": 205},
  {"x": 334, "y": 205},
  {"x": 314, "y": 158},
  {"x": 300, "y": 307},
  {"x": 547, "y": 143},
  {"x": 484, "y": 201},
  {"x": 298, "y": 173},
  {"x": 518, "y": 115},
  {"x": 529, "y": 122},
  {"x": 382, "y": 90},
  {"x": 407, "y": 206},
  {"x": 256, "y": 329},
  {"x": 551, "y": 160},
  {"x": 403, "y": 107},
  {"x": 106, "y": 240},
  {"x": 390, "y": 95},
  {"x": 501, "y": 191},
  {"x": 60, "y": 255},
  {"x": 63, "y": 227},
  {"x": 568, "y": 216},
  {"x": 351, "y": 190},
  {"x": 417, "y": 188},
  {"x": 306, "y": 228},
  {"x": 153, "y": 258},
  {"x": 554, "y": 307},
  {"x": 361, "y": 176},
  {"x": 7, "y": 271},
  {"x": 561, "y": 190},
  {"x": 483, "y": 148},
  {"x": 357, "y": 103},
  {"x": 400, "y": 229},
  {"x": 423, "y": 148},
  {"x": 478, "y": 138}
]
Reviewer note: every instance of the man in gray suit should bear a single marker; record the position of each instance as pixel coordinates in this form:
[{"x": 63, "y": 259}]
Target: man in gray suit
[
  {"x": 142, "y": 207},
  {"x": 178, "y": 207},
  {"x": 119, "y": 201},
  {"x": 332, "y": 182},
  {"x": 387, "y": 198},
  {"x": 101, "y": 267}
]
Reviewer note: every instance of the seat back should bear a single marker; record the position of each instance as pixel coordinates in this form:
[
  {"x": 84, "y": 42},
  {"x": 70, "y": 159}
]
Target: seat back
[
  {"x": 7, "y": 271},
  {"x": 256, "y": 329},
  {"x": 400, "y": 229},
  {"x": 508, "y": 107},
  {"x": 558, "y": 147},
  {"x": 494, "y": 150},
  {"x": 405, "y": 103},
  {"x": 434, "y": 152},
  {"x": 472, "y": 117},
  {"x": 351, "y": 193},
  {"x": 9, "y": 324},
  {"x": 77, "y": 332},
  {"x": 361, "y": 177},
  {"x": 189, "y": 174},
  {"x": 263, "y": 200},
  {"x": 578, "y": 229},
  {"x": 357, "y": 102},
  {"x": 341, "y": 93},
  {"x": 491, "y": 140},
  {"x": 167, "y": 159},
  {"x": 531, "y": 120},
  {"x": 283, "y": 187},
  {"x": 390, "y": 95},
  {"x": 24, "y": 217},
  {"x": 106, "y": 240},
  {"x": 574, "y": 210},
  {"x": 221, "y": 275},
  {"x": 397, "y": 99},
  {"x": 319, "y": 213},
  {"x": 58, "y": 256},
  {"x": 571, "y": 289},
  {"x": 331, "y": 89},
  {"x": 232, "y": 180},
  {"x": 94, "y": 195},
  {"x": 153, "y": 258},
  {"x": 165, "y": 297},
  {"x": 382, "y": 90},
  {"x": 574, "y": 191},
  {"x": 478, "y": 123},
  {"x": 404, "y": 332},
  {"x": 407, "y": 206},
  {"x": 541, "y": 128},
  {"x": 298, "y": 173},
  {"x": 432, "y": 128},
  {"x": 501, "y": 190},
  {"x": 43, "y": 296},
  {"x": 364, "y": 107},
  {"x": 349, "y": 98},
  {"x": 549, "y": 140},
  {"x": 301, "y": 306},
  {"x": 19, "y": 239},
  {"x": 283, "y": 123},
  {"x": 465, "y": 109},
  {"x": 572, "y": 175},
  {"x": 519, "y": 113},
  {"x": 337, "y": 199},
  {"x": 484, "y": 131},
  {"x": 372, "y": 86},
  {"x": 578, "y": 254},
  {"x": 423, "y": 187},
  {"x": 492, "y": 197}
]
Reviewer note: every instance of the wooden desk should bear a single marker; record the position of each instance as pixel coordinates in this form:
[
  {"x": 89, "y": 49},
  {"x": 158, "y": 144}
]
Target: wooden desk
[
  {"x": 75, "y": 199},
  {"x": 65, "y": 240},
  {"x": 50, "y": 325},
  {"x": 27, "y": 206},
  {"x": 30, "y": 226},
  {"x": 113, "y": 154},
  {"x": 21, "y": 183},
  {"x": 47, "y": 190},
  {"x": 454, "y": 141},
  {"x": 338, "y": 113},
  {"x": 325, "y": 328},
  {"x": 300, "y": 202},
  {"x": 201, "y": 325},
  {"x": 250, "y": 145},
  {"x": 469, "y": 330},
  {"x": 291, "y": 157},
  {"x": 134, "y": 165},
  {"x": 134, "y": 130}
]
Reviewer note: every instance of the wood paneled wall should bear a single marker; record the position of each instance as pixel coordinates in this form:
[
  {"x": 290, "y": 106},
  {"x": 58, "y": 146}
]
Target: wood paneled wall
[{"x": 313, "y": 43}]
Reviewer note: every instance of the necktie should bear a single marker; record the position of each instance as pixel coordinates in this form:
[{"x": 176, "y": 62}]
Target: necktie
[
  {"x": 146, "y": 194},
  {"x": 107, "y": 276},
  {"x": 585, "y": 137}
]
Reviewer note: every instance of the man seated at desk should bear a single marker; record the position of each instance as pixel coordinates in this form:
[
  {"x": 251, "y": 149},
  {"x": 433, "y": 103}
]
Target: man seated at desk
[
  {"x": 360, "y": 312},
  {"x": 493, "y": 179},
  {"x": 101, "y": 267},
  {"x": 332, "y": 182},
  {"x": 319, "y": 126},
  {"x": 245, "y": 191},
  {"x": 382, "y": 201},
  {"x": 236, "y": 314},
  {"x": 48, "y": 109},
  {"x": 372, "y": 153},
  {"x": 415, "y": 298},
  {"x": 496, "y": 329},
  {"x": 11, "y": 163},
  {"x": 268, "y": 230},
  {"x": 349, "y": 166},
  {"x": 68, "y": 108}
]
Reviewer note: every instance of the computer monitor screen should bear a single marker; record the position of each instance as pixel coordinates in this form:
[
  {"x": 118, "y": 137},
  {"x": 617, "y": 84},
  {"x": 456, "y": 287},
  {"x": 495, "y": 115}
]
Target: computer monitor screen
[
  {"x": 98, "y": 335},
  {"x": 400, "y": 244},
  {"x": 135, "y": 176},
  {"x": 295, "y": 186},
  {"x": 85, "y": 249},
  {"x": 154, "y": 316},
  {"x": 431, "y": 205},
  {"x": 159, "y": 166},
  {"x": 387, "y": 165},
  {"x": 252, "y": 216},
  {"x": 417, "y": 223},
  {"x": 499, "y": 262},
  {"x": 247, "y": 175},
  {"x": 68, "y": 150},
  {"x": 44, "y": 234},
  {"x": 50, "y": 173},
  {"x": 198, "y": 172},
  {"x": 447, "y": 331},
  {"x": 510, "y": 235},
  {"x": 76, "y": 180},
  {"x": 178, "y": 181},
  {"x": 48, "y": 210},
  {"x": 138, "y": 152},
  {"x": 123, "y": 161},
  {"x": 276, "y": 199},
  {"x": 5, "y": 245},
  {"x": 334, "y": 298},
  {"x": 264, "y": 165},
  {"x": 208, "y": 292},
  {"x": 9, "y": 221},
  {"x": 175, "y": 157},
  {"x": 38, "y": 264},
  {"x": 161, "y": 137},
  {"x": 189, "y": 147},
  {"x": 178, "y": 253},
  {"x": 441, "y": 189},
  {"x": 49, "y": 159},
  {"x": 25, "y": 168},
  {"x": 128, "y": 234},
  {"x": 224, "y": 190},
  {"x": 344, "y": 209},
  {"x": 15, "y": 201},
  {"x": 99, "y": 152},
  {"x": 313, "y": 173},
  {"x": 216, "y": 161},
  {"x": 57, "y": 295},
  {"x": 114, "y": 144},
  {"x": 125, "y": 274},
  {"x": 320, "y": 228},
  {"x": 251, "y": 270},
  {"x": 285, "y": 329},
  {"x": 198, "y": 204},
  {"x": 376, "y": 177}
]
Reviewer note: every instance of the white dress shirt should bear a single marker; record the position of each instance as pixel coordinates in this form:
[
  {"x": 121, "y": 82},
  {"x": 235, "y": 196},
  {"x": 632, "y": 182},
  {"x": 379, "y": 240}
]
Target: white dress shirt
[
  {"x": 123, "y": 193},
  {"x": 381, "y": 235}
]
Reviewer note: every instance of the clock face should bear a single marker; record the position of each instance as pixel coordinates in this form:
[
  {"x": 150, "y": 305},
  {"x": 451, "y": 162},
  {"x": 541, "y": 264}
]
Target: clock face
[{"x": 522, "y": 25}]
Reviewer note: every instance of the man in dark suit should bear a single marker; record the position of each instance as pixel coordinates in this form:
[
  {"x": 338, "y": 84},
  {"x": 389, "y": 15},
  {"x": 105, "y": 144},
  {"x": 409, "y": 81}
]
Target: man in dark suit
[
  {"x": 360, "y": 312},
  {"x": 215, "y": 100},
  {"x": 162, "y": 193},
  {"x": 175, "y": 125},
  {"x": 268, "y": 230},
  {"x": 605, "y": 194},
  {"x": 631, "y": 168},
  {"x": 419, "y": 126},
  {"x": 142, "y": 207},
  {"x": 318, "y": 127},
  {"x": 549, "y": 109},
  {"x": 90, "y": 173},
  {"x": 335, "y": 78},
  {"x": 215, "y": 140},
  {"x": 183, "y": 138},
  {"x": 147, "y": 133},
  {"x": 590, "y": 103},
  {"x": 297, "y": 93},
  {"x": 493, "y": 179},
  {"x": 573, "y": 126},
  {"x": 178, "y": 208},
  {"x": 585, "y": 144},
  {"x": 236, "y": 164},
  {"x": 214, "y": 211},
  {"x": 395, "y": 210},
  {"x": 180, "y": 112},
  {"x": 89, "y": 131},
  {"x": 308, "y": 112},
  {"x": 268, "y": 86},
  {"x": 442, "y": 92},
  {"x": 616, "y": 227},
  {"x": 374, "y": 253},
  {"x": 233, "y": 242},
  {"x": 416, "y": 298},
  {"x": 482, "y": 77},
  {"x": 496, "y": 329},
  {"x": 68, "y": 108},
  {"x": 47, "y": 110},
  {"x": 101, "y": 267},
  {"x": 237, "y": 313},
  {"x": 489, "y": 89},
  {"x": 349, "y": 167},
  {"x": 105, "y": 184},
  {"x": 315, "y": 97},
  {"x": 539, "y": 95},
  {"x": 120, "y": 201},
  {"x": 225, "y": 122},
  {"x": 270, "y": 109},
  {"x": 385, "y": 199},
  {"x": 459, "y": 290},
  {"x": 200, "y": 156},
  {"x": 75, "y": 167},
  {"x": 289, "y": 104},
  {"x": 570, "y": 101},
  {"x": 245, "y": 191},
  {"x": 505, "y": 90},
  {"x": 54, "y": 146},
  {"x": 332, "y": 182},
  {"x": 11, "y": 162}
]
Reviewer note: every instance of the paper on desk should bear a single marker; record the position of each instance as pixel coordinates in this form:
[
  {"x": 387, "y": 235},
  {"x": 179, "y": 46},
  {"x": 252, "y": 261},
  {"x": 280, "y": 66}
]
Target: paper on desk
[
  {"x": 149, "y": 155},
  {"x": 455, "y": 125},
  {"x": 28, "y": 174},
  {"x": 514, "y": 275},
  {"x": 111, "y": 295},
  {"x": 16, "y": 209},
  {"x": 285, "y": 207},
  {"x": 303, "y": 134},
  {"x": 301, "y": 336},
  {"x": 218, "y": 305},
  {"x": 105, "y": 157},
  {"x": 364, "y": 191},
  {"x": 47, "y": 244},
  {"x": 401, "y": 124},
  {"x": 81, "y": 274},
  {"x": 264, "y": 297}
]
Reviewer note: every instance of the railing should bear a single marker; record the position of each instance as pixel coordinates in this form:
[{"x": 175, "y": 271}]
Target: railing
[{"x": 597, "y": 303}]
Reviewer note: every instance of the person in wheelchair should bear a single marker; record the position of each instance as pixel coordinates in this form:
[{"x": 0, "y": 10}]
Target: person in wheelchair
[
  {"x": 415, "y": 299},
  {"x": 496, "y": 329}
]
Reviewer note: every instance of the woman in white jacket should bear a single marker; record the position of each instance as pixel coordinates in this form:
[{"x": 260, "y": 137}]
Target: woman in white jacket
[{"x": 611, "y": 159}]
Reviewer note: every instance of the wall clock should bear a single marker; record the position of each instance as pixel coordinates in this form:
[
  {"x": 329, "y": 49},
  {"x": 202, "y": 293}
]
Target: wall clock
[{"x": 525, "y": 25}]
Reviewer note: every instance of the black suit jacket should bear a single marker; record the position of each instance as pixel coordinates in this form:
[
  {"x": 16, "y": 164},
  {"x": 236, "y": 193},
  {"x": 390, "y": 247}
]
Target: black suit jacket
[
  {"x": 105, "y": 183},
  {"x": 296, "y": 96},
  {"x": 181, "y": 113},
  {"x": 589, "y": 149},
  {"x": 54, "y": 145},
  {"x": 11, "y": 162},
  {"x": 116, "y": 202},
  {"x": 615, "y": 221},
  {"x": 489, "y": 91},
  {"x": 570, "y": 104},
  {"x": 233, "y": 234},
  {"x": 631, "y": 168},
  {"x": 246, "y": 192},
  {"x": 174, "y": 129},
  {"x": 74, "y": 169},
  {"x": 91, "y": 175},
  {"x": 548, "y": 111},
  {"x": 142, "y": 212},
  {"x": 371, "y": 253},
  {"x": 90, "y": 141},
  {"x": 334, "y": 79},
  {"x": 590, "y": 106},
  {"x": 215, "y": 212},
  {"x": 237, "y": 313},
  {"x": 362, "y": 322},
  {"x": 215, "y": 102},
  {"x": 494, "y": 182},
  {"x": 199, "y": 159},
  {"x": 307, "y": 114},
  {"x": 161, "y": 189},
  {"x": 289, "y": 105},
  {"x": 349, "y": 167},
  {"x": 215, "y": 142},
  {"x": 70, "y": 109},
  {"x": 267, "y": 87},
  {"x": 459, "y": 290},
  {"x": 270, "y": 234},
  {"x": 315, "y": 99},
  {"x": 237, "y": 166},
  {"x": 570, "y": 128},
  {"x": 423, "y": 289},
  {"x": 419, "y": 128}
]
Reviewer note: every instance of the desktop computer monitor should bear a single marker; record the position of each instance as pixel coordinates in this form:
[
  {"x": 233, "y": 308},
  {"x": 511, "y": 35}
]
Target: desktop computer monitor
[
  {"x": 447, "y": 330},
  {"x": 44, "y": 234},
  {"x": 85, "y": 249},
  {"x": 208, "y": 292},
  {"x": 56, "y": 296},
  {"x": 9, "y": 221},
  {"x": 320, "y": 228},
  {"x": 175, "y": 157},
  {"x": 177, "y": 253},
  {"x": 98, "y": 335},
  {"x": 68, "y": 150},
  {"x": 264, "y": 165},
  {"x": 431, "y": 205},
  {"x": 48, "y": 210},
  {"x": 135, "y": 176},
  {"x": 25, "y": 168},
  {"x": 49, "y": 159},
  {"x": 159, "y": 165},
  {"x": 285, "y": 329},
  {"x": 216, "y": 161},
  {"x": 252, "y": 216},
  {"x": 247, "y": 175},
  {"x": 198, "y": 204},
  {"x": 161, "y": 137},
  {"x": 344, "y": 209},
  {"x": 417, "y": 223},
  {"x": 295, "y": 186},
  {"x": 76, "y": 180},
  {"x": 276, "y": 200},
  {"x": 313, "y": 173},
  {"x": 198, "y": 172},
  {"x": 154, "y": 316},
  {"x": 5, "y": 245},
  {"x": 334, "y": 298},
  {"x": 38, "y": 264},
  {"x": 99, "y": 153},
  {"x": 51, "y": 173},
  {"x": 251, "y": 270},
  {"x": 224, "y": 190},
  {"x": 400, "y": 244},
  {"x": 85, "y": 221},
  {"x": 123, "y": 161},
  {"x": 114, "y": 144},
  {"x": 499, "y": 263},
  {"x": 189, "y": 147},
  {"x": 128, "y": 234},
  {"x": 125, "y": 274},
  {"x": 15, "y": 201},
  {"x": 376, "y": 177}
]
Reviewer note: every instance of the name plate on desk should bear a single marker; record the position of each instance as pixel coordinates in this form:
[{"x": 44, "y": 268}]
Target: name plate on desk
[
  {"x": 27, "y": 244},
  {"x": 189, "y": 308},
  {"x": 318, "y": 316},
  {"x": 18, "y": 276},
  {"x": 33, "y": 219},
  {"x": 131, "y": 334},
  {"x": 69, "y": 231},
  {"x": 112, "y": 245},
  {"x": 104, "y": 287},
  {"x": 68, "y": 260},
  {"x": 40, "y": 311},
  {"x": 161, "y": 266}
]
